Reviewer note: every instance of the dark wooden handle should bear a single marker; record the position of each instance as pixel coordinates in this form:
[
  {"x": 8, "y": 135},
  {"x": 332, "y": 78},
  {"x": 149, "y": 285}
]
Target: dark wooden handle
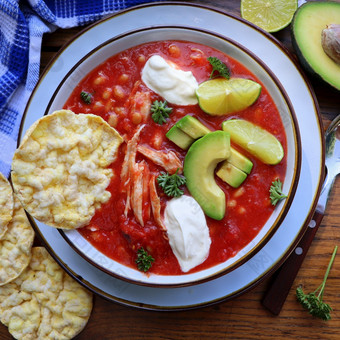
[{"x": 283, "y": 279}]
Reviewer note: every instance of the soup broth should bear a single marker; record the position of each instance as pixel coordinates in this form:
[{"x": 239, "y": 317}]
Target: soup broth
[{"x": 120, "y": 97}]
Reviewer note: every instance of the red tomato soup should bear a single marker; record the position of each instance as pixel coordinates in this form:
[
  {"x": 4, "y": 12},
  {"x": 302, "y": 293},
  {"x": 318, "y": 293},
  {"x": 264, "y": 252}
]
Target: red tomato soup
[{"x": 118, "y": 97}]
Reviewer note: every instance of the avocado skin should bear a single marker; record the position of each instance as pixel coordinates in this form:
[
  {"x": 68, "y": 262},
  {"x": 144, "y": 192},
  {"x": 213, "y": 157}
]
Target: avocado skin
[
  {"x": 304, "y": 60},
  {"x": 199, "y": 170}
]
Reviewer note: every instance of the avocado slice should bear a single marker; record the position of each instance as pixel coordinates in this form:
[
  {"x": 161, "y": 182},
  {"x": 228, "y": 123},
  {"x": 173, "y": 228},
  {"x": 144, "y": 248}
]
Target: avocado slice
[
  {"x": 308, "y": 22},
  {"x": 179, "y": 137},
  {"x": 192, "y": 126},
  {"x": 199, "y": 167},
  {"x": 231, "y": 174},
  {"x": 185, "y": 131},
  {"x": 235, "y": 169},
  {"x": 240, "y": 161}
]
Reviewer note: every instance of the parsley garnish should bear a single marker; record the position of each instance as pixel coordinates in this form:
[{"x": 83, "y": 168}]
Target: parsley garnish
[
  {"x": 218, "y": 67},
  {"x": 171, "y": 183},
  {"x": 86, "y": 97},
  {"x": 276, "y": 192},
  {"x": 160, "y": 111},
  {"x": 312, "y": 302},
  {"x": 144, "y": 260}
]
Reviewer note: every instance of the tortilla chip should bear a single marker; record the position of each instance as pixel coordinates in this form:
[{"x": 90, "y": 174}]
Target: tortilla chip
[
  {"x": 15, "y": 245},
  {"x": 6, "y": 204},
  {"x": 44, "y": 302},
  {"x": 60, "y": 172}
]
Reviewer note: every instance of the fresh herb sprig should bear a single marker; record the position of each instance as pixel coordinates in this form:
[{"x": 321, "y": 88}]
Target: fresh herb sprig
[
  {"x": 86, "y": 97},
  {"x": 276, "y": 192},
  {"x": 312, "y": 302},
  {"x": 171, "y": 183},
  {"x": 160, "y": 111},
  {"x": 219, "y": 68},
  {"x": 144, "y": 260}
]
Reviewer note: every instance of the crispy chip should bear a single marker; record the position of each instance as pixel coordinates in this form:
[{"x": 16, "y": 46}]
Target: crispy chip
[
  {"x": 60, "y": 172},
  {"x": 15, "y": 245},
  {"x": 44, "y": 302},
  {"x": 6, "y": 204}
]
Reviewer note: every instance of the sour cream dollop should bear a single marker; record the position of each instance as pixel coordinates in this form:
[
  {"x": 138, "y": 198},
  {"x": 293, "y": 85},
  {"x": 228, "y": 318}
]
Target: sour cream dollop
[
  {"x": 187, "y": 231},
  {"x": 174, "y": 85}
]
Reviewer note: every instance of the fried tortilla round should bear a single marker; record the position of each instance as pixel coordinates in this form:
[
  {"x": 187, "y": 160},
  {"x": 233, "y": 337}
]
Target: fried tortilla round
[
  {"x": 60, "y": 171},
  {"x": 44, "y": 302},
  {"x": 15, "y": 245},
  {"x": 6, "y": 204}
]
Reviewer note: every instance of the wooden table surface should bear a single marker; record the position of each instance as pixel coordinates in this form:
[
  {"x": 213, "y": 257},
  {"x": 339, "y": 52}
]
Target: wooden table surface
[{"x": 243, "y": 317}]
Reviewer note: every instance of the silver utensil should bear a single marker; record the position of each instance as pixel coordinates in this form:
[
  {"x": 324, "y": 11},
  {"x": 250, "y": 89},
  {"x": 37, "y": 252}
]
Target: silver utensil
[{"x": 283, "y": 279}]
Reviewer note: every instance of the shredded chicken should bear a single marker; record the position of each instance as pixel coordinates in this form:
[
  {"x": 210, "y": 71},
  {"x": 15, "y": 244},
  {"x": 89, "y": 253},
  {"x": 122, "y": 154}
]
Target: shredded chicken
[
  {"x": 128, "y": 168},
  {"x": 128, "y": 201},
  {"x": 169, "y": 161},
  {"x": 138, "y": 183},
  {"x": 137, "y": 196},
  {"x": 132, "y": 93},
  {"x": 141, "y": 107},
  {"x": 146, "y": 192},
  {"x": 155, "y": 202},
  {"x": 139, "y": 104},
  {"x": 130, "y": 156}
]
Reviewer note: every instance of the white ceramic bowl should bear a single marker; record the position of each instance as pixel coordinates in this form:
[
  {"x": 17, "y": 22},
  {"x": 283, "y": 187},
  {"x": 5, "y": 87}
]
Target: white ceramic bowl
[{"x": 260, "y": 70}]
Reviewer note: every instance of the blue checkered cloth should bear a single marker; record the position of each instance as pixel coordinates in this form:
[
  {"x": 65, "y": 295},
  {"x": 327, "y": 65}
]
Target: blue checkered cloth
[{"x": 22, "y": 25}]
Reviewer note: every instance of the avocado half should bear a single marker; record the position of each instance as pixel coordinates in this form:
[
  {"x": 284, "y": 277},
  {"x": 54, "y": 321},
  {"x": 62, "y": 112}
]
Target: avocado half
[
  {"x": 199, "y": 169},
  {"x": 308, "y": 22}
]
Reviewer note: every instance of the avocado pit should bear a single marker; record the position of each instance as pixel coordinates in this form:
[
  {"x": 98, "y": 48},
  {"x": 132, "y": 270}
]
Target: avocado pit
[{"x": 330, "y": 40}]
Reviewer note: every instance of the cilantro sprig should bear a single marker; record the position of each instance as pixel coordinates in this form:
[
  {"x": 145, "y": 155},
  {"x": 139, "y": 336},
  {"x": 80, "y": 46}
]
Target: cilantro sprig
[
  {"x": 86, "y": 97},
  {"x": 276, "y": 192},
  {"x": 171, "y": 183},
  {"x": 160, "y": 111},
  {"x": 312, "y": 302},
  {"x": 144, "y": 260},
  {"x": 219, "y": 69}
]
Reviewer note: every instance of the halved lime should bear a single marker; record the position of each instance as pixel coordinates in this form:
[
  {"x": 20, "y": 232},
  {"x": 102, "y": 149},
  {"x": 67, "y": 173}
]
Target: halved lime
[
  {"x": 256, "y": 140},
  {"x": 221, "y": 96},
  {"x": 271, "y": 15}
]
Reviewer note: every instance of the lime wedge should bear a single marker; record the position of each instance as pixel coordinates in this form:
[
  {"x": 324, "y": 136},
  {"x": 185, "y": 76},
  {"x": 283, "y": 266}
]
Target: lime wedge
[
  {"x": 271, "y": 15},
  {"x": 256, "y": 140},
  {"x": 221, "y": 96}
]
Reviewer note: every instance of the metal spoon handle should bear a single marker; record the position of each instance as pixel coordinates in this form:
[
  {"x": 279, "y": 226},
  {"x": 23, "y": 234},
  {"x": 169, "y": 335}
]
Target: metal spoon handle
[{"x": 284, "y": 277}]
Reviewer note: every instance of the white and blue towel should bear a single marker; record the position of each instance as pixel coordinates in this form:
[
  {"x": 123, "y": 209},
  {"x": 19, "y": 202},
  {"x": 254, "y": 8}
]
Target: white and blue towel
[{"x": 22, "y": 25}]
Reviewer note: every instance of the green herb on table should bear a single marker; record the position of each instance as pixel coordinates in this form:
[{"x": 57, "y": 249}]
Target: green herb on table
[
  {"x": 219, "y": 68},
  {"x": 276, "y": 192},
  {"x": 312, "y": 302},
  {"x": 160, "y": 111},
  {"x": 86, "y": 97},
  {"x": 144, "y": 260},
  {"x": 171, "y": 183}
]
